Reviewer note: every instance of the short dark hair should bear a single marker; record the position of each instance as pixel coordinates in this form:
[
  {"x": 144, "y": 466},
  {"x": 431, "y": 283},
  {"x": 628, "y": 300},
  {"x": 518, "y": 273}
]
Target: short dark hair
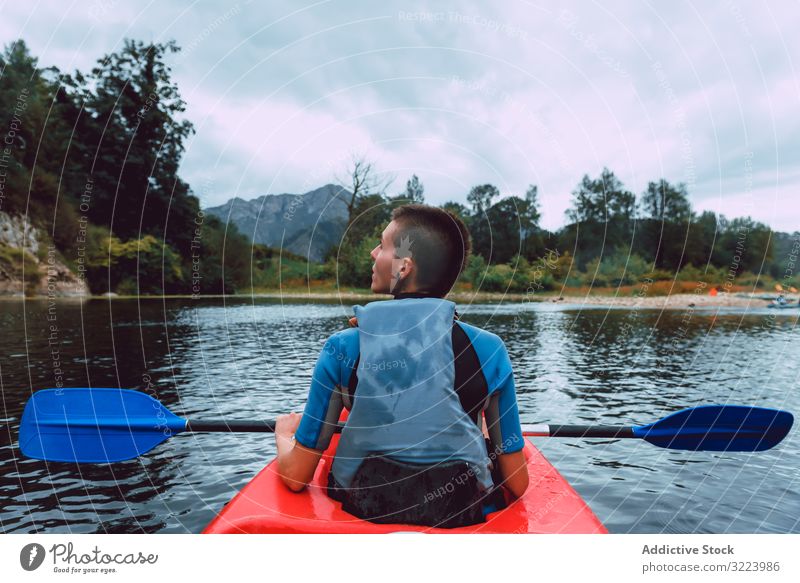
[{"x": 439, "y": 243}]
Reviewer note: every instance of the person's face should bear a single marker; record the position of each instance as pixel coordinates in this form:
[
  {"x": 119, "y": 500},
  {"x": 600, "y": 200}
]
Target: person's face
[{"x": 388, "y": 269}]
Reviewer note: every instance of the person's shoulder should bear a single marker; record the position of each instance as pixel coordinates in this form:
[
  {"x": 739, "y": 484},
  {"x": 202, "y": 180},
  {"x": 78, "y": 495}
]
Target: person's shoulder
[
  {"x": 481, "y": 336},
  {"x": 346, "y": 339},
  {"x": 345, "y": 334},
  {"x": 491, "y": 352}
]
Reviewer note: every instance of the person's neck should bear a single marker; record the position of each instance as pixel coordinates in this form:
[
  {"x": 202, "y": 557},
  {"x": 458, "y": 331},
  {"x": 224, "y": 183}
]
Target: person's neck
[
  {"x": 413, "y": 294},
  {"x": 421, "y": 294}
]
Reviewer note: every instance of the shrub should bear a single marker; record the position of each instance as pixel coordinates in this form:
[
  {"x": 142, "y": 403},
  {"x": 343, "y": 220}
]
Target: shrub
[
  {"x": 498, "y": 278},
  {"x": 475, "y": 271},
  {"x": 149, "y": 261}
]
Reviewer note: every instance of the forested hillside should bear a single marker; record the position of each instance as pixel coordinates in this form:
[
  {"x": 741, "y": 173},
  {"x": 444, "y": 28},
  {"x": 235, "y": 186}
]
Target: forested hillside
[
  {"x": 90, "y": 163},
  {"x": 92, "y": 159}
]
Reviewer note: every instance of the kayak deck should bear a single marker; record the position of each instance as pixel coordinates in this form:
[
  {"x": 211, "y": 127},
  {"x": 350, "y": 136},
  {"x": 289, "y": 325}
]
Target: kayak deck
[{"x": 265, "y": 505}]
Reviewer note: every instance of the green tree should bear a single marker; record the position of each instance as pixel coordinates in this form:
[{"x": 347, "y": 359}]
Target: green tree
[
  {"x": 601, "y": 216},
  {"x": 702, "y": 239},
  {"x": 529, "y": 210},
  {"x": 415, "y": 191},
  {"x": 500, "y": 236},
  {"x": 481, "y": 225},
  {"x": 136, "y": 141},
  {"x": 601, "y": 200},
  {"x": 221, "y": 259},
  {"x": 480, "y": 198},
  {"x": 533, "y": 238},
  {"x": 666, "y": 224},
  {"x": 784, "y": 266},
  {"x": 663, "y": 201},
  {"x": 137, "y": 266},
  {"x": 39, "y": 176},
  {"x": 459, "y": 210},
  {"x": 743, "y": 245}
]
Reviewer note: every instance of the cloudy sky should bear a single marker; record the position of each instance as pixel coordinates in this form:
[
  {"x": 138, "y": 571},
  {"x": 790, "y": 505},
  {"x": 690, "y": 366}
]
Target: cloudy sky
[{"x": 462, "y": 93}]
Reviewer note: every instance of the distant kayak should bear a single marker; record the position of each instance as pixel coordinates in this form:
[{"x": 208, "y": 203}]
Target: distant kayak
[
  {"x": 769, "y": 297},
  {"x": 785, "y": 306},
  {"x": 266, "y": 505}
]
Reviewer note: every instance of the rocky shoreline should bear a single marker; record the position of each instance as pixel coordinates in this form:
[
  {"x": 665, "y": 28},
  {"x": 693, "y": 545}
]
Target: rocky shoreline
[{"x": 31, "y": 266}]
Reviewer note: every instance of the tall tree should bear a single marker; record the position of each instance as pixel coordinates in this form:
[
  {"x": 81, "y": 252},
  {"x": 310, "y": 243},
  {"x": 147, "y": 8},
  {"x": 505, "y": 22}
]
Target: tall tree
[
  {"x": 663, "y": 201},
  {"x": 506, "y": 228},
  {"x": 602, "y": 216},
  {"x": 533, "y": 244},
  {"x": 601, "y": 200},
  {"x": 531, "y": 207},
  {"x": 480, "y": 226},
  {"x": 744, "y": 245},
  {"x": 415, "y": 191},
  {"x": 42, "y": 175},
  {"x": 703, "y": 236},
  {"x": 137, "y": 141},
  {"x": 666, "y": 225},
  {"x": 504, "y": 237},
  {"x": 480, "y": 197}
]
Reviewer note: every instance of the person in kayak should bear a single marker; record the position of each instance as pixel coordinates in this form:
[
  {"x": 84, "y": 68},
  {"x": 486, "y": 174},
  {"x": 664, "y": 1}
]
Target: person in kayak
[{"x": 422, "y": 388}]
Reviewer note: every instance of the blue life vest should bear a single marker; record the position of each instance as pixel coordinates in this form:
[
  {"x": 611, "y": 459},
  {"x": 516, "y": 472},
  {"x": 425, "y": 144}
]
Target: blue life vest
[
  {"x": 424, "y": 372},
  {"x": 406, "y": 410}
]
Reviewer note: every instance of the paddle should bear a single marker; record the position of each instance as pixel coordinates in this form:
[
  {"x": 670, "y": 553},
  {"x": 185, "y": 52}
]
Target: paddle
[{"x": 109, "y": 425}]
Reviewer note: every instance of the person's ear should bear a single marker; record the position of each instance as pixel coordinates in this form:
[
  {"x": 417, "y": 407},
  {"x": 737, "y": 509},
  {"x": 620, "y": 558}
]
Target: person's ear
[{"x": 405, "y": 268}]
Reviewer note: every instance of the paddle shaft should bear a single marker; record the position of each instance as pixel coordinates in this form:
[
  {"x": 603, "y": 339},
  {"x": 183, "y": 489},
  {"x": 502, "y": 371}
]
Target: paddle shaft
[
  {"x": 607, "y": 431},
  {"x": 577, "y": 431},
  {"x": 219, "y": 425}
]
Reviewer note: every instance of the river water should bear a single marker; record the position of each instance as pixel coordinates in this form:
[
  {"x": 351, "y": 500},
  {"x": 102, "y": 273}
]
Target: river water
[{"x": 246, "y": 358}]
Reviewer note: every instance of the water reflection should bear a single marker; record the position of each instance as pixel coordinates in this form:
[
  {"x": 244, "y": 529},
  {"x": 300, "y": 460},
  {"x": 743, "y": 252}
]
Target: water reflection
[{"x": 252, "y": 359}]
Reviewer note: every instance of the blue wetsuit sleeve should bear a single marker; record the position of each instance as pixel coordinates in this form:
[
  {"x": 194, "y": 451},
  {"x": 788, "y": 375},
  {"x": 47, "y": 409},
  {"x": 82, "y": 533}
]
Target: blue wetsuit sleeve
[
  {"x": 507, "y": 409},
  {"x": 324, "y": 402}
]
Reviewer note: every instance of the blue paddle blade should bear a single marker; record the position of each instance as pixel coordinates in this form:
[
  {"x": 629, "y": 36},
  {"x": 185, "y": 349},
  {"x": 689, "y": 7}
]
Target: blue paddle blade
[
  {"x": 94, "y": 425},
  {"x": 719, "y": 428}
]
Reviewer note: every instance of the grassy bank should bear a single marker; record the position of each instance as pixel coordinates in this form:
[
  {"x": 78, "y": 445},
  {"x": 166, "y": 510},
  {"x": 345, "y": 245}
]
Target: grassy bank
[{"x": 463, "y": 292}]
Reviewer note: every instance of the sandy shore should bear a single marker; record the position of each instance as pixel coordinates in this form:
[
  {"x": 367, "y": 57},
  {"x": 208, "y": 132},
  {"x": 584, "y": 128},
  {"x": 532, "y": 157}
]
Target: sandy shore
[
  {"x": 671, "y": 302},
  {"x": 674, "y": 301}
]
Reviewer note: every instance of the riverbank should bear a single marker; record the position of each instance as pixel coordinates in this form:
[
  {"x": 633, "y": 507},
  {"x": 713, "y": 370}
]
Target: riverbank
[
  {"x": 679, "y": 301},
  {"x": 601, "y": 298},
  {"x": 673, "y": 302}
]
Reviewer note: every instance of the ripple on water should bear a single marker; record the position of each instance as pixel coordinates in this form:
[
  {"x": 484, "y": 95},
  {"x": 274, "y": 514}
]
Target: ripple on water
[{"x": 253, "y": 359}]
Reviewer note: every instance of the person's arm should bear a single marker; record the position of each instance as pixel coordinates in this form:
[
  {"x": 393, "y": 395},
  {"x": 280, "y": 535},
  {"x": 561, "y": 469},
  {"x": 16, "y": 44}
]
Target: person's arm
[
  {"x": 296, "y": 462},
  {"x": 301, "y": 439},
  {"x": 502, "y": 420},
  {"x": 514, "y": 470}
]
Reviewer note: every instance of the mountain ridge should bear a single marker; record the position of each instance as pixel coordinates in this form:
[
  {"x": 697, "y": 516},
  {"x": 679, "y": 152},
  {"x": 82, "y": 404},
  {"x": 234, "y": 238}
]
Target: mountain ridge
[{"x": 307, "y": 224}]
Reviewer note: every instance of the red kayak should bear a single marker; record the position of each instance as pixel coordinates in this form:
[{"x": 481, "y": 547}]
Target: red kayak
[{"x": 266, "y": 505}]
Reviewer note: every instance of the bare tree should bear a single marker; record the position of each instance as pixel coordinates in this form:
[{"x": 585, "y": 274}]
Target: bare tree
[{"x": 362, "y": 180}]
